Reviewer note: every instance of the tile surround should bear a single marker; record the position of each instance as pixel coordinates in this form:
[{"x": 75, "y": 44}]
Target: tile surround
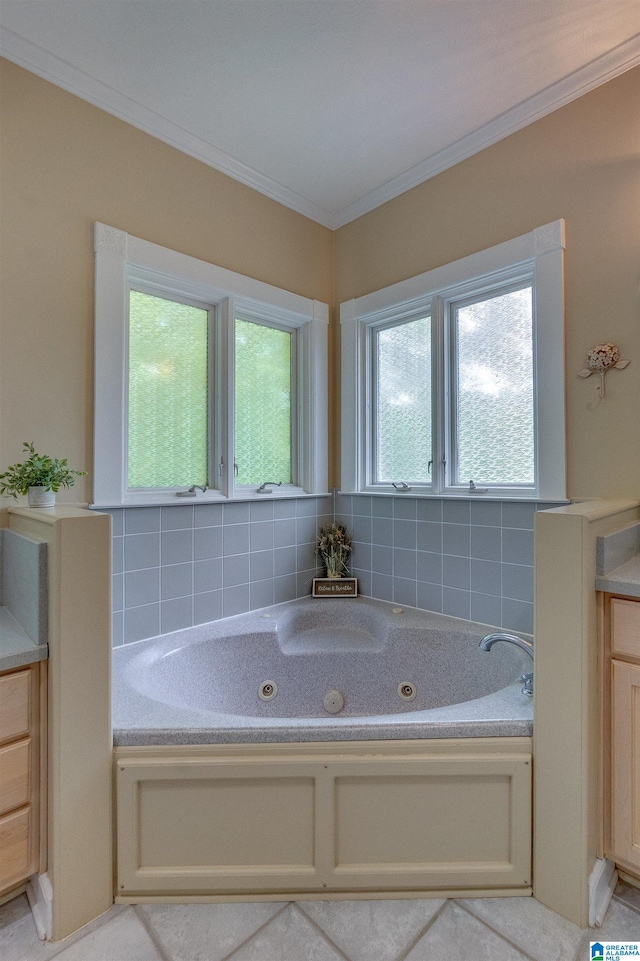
[
  {"x": 174, "y": 567},
  {"x": 24, "y": 582},
  {"x": 463, "y": 558},
  {"x": 178, "y": 566}
]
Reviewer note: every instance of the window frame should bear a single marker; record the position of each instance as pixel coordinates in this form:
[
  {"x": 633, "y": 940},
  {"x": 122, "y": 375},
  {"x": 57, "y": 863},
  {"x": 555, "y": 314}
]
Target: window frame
[
  {"x": 123, "y": 262},
  {"x": 536, "y": 257}
]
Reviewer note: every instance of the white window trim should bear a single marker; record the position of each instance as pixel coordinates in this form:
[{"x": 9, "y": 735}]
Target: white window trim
[
  {"x": 539, "y": 253},
  {"x": 121, "y": 260}
]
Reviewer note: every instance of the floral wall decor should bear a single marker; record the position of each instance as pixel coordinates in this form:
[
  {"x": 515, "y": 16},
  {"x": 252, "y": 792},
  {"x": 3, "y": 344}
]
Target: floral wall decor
[{"x": 600, "y": 359}]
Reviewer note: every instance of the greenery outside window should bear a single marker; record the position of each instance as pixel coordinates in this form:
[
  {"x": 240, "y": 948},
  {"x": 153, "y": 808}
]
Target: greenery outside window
[
  {"x": 401, "y": 385},
  {"x": 264, "y": 389},
  {"x": 204, "y": 379},
  {"x": 492, "y": 389},
  {"x": 453, "y": 381},
  {"x": 168, "y": 392}
]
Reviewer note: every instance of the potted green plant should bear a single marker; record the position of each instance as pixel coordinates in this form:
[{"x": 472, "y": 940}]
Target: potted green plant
[
  {"x": 39, "y": 477},
  {"x": 334, "y": 546}
]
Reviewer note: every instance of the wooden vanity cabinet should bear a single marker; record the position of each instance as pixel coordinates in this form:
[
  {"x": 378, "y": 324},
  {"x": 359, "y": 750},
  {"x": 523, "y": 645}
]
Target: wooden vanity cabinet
[
  {"x": 621, "y": 731},
  {"x": 21, "y": 757}
]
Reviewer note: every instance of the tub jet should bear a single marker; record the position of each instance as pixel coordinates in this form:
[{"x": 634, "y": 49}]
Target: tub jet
[
  {"x": 333, "y": 702},
  {"x": 267, "y": 690}
]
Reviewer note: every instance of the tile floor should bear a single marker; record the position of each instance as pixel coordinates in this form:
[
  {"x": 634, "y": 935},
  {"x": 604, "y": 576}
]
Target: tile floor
[{"x": 500, "y": 929}]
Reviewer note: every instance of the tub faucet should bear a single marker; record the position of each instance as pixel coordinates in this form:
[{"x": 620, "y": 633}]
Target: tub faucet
[{"x": 487, "y": 643}]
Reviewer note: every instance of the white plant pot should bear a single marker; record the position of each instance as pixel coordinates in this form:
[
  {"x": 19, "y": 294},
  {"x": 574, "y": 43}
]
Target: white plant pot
[{"x": 39, "y": 497}]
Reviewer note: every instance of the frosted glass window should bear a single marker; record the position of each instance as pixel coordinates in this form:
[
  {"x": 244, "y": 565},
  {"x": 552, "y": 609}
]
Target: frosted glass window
[
  {"x": 403, "y": 402},
  {"x": 263, "y": 404},
  {"x": 168, "y": 393},
  {"x": 494, "y": 390}
]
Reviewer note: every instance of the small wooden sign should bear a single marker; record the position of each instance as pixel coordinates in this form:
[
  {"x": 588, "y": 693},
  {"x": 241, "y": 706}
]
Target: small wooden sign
[{"x": 335, "y": 587}]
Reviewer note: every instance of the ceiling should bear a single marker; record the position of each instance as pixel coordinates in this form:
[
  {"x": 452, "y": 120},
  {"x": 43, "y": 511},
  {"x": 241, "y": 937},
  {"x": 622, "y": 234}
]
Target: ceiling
[{"x": 332, "y": 107}]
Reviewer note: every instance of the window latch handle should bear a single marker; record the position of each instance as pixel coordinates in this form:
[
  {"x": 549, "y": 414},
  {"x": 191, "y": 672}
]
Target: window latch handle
[
  {"x": 476, "y": 490},
  {"x": 263, "y": 487},
  {"x": 192, "y": 490},
  {"x": 401, "y": 486}
]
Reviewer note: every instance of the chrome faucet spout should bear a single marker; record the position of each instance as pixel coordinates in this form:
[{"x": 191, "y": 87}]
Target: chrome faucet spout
[{"x": 487, "y": 642}]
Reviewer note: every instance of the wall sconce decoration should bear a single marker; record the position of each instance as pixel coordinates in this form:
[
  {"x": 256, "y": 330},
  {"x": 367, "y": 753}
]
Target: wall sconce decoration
[{"x": 600, "y": 359}]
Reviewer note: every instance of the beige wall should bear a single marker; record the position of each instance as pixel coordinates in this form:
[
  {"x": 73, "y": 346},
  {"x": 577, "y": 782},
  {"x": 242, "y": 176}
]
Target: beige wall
[
  {"x": 65, "y": 164},
  {"x": 581, "y": 163}
]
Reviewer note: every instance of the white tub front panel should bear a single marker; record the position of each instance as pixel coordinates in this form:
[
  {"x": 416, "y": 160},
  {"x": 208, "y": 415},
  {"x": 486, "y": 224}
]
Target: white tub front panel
[
  {"x": 202, "y": 806},
  {"x": 210, "y": 825},
  {"x": 327, "y": 821},
  {"x": 434, "y": 822}
]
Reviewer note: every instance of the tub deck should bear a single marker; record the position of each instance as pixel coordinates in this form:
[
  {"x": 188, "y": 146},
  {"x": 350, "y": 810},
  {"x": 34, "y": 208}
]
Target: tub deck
[{"x": 140, "y": 717}]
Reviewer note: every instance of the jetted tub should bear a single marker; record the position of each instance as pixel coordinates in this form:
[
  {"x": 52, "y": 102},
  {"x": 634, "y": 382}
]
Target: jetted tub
[
  {"x": 264, "y": 676},
  {"x": 225, "y": 794}
]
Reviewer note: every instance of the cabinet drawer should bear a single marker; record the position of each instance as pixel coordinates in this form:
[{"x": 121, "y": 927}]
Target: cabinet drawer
[
  {"x": 15, "y": 852},
  {"x": 625, "y": 627},
  {"x": 15, "y": 705},
  {"x": 15, "y": 775}
]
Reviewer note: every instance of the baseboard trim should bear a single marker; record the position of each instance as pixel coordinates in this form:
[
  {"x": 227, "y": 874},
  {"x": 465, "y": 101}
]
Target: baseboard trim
[
  {"x": 13, "y": 893},
  {"x": 602, "y": 883},
  {"x": 629, "y": 878},
  {"x": 40, "y": 895}
]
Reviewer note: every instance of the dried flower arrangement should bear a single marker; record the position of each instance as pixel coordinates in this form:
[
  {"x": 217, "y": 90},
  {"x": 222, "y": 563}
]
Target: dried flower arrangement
[{"x": 334, "y": 546}]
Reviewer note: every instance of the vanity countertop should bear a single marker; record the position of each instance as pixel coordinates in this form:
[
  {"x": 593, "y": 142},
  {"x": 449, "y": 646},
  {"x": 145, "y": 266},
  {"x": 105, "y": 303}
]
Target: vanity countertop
[
  {"x": 16, "y": 647},
  {"x": 618, "y": 561},
  {"x": 624, "y": 579}
]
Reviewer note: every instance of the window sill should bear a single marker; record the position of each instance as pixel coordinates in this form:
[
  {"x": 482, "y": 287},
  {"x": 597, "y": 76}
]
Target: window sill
[
  {"x": 202, "y": 500},
  {"x": 424, "y": 495}
]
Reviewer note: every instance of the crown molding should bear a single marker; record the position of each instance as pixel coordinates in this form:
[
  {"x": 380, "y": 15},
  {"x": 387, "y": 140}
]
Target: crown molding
[
  {"x": 63, "y": 74},
  {"x": 34, "y": 58},
  {"x": 617, "y": 61}
]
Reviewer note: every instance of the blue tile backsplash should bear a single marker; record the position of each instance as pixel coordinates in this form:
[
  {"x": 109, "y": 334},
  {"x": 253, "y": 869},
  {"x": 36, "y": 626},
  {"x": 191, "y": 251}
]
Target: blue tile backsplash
[
  {"x": 460, "y": 557},
  {"x": 174, "y": 567}
]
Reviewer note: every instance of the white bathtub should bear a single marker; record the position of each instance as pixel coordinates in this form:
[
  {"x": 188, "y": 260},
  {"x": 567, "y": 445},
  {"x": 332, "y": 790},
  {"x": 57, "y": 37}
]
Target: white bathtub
[{"x": 202, "y": 685}]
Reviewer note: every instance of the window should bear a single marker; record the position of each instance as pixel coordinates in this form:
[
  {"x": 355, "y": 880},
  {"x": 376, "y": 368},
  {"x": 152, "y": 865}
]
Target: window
[
  {"x": 492, "y": 395},
  {"x": 204, "y": 378},
  {"x": 168, "y": 393},
  {"x": 401, "y": 384},
  {"x": 453, "y": 381},
  {"x": 264, "y": 412}
]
